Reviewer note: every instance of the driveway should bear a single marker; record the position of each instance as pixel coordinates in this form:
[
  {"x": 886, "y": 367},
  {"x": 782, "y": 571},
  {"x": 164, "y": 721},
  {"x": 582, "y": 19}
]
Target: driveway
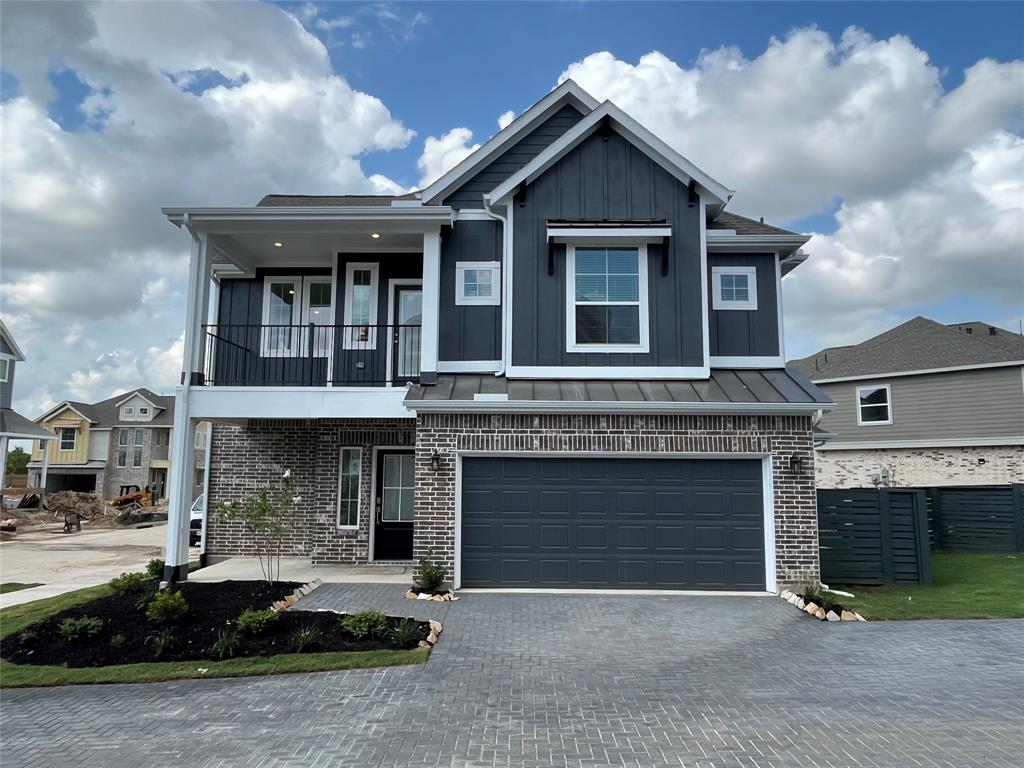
[{"x": 574, "y": 680}]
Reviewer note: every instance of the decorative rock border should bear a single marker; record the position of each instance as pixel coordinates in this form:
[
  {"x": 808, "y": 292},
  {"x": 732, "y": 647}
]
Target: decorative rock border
[
  {"x": 435, "y": 626},
  {"x": 289, "y": 600},
  {"x": 813, "y": 609},
  {"x": 443, "y": 597}
]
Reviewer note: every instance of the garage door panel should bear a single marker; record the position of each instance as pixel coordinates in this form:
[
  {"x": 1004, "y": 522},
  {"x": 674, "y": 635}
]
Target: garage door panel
[{"x": 612, "y": 522}]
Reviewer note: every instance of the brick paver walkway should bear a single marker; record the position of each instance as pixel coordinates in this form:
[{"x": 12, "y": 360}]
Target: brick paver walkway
[{"x": 570, "y": 680}]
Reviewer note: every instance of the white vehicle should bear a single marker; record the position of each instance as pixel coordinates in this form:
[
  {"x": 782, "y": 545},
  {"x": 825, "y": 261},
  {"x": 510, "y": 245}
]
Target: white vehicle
[{"x": 195, "y": 526}]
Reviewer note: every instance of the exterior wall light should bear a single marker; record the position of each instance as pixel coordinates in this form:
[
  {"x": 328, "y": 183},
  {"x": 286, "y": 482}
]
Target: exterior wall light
[
  {"x": 796, "y": 464},
  {"x": 435, "y": 461}
]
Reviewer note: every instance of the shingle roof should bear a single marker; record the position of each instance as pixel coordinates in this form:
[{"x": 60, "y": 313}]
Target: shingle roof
[
  {"x": 767, "y": 387},
  {"x": 332, "y": 200},
  {"x": 105, "y": 413},
  {"x": 919, "y": 344},
  {"x": 745, "y": 226},
  {"x": 13, "y": 423}
]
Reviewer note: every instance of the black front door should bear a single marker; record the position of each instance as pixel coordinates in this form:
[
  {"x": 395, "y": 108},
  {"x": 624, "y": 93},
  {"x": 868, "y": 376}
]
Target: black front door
[{"x": 392, "y": 536}]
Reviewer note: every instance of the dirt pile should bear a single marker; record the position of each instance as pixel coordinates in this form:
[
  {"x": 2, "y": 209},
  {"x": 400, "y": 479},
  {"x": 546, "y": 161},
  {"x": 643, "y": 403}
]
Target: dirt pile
[{"x": 88, "y": 505}]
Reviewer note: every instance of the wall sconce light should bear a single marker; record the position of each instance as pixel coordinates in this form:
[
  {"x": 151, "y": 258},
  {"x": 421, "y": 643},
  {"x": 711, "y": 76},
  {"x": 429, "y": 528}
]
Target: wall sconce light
[
  {"x": 435, "y": 461},
  {"x": 796, "y": 464}
]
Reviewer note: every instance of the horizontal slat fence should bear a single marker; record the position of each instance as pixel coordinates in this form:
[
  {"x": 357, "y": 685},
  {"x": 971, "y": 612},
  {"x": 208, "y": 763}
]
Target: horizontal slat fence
[
  {"x": 978, "y": 518},
  {"x": 873, "y": 536}
]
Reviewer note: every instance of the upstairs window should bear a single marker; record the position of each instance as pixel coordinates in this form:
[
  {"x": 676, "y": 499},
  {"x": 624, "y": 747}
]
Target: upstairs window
[
  {"x": 4, "y": 369},
  {"x": 68, "y": 438},
  {"x": 140, "y": 437},
  {"x": 874, "y": 405},
  {"x": 143, "y": 411},
  {"x": 734, "y": 288},
  {"x": 477, "y": 282},
  {"x": 122, "y": 437},
  {"x": 606, "y": 302},
  {"x": 129, "y": 410}
]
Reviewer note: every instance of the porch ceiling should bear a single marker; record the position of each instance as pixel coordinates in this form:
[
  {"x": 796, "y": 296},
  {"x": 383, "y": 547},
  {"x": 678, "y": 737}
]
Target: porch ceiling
[{"x": 303, "y": 249}]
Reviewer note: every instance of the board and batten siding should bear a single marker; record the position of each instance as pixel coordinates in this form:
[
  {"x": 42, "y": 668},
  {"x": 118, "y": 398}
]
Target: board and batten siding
[
  {"x": 984, "y": 403},
  {"x": 470, "y": 194},
  {"x": 606, "y": 179},
  {"x": 468, "y": 332},
  {"x": 743, "y": 333},
  {"x": 55, "y": 456}
]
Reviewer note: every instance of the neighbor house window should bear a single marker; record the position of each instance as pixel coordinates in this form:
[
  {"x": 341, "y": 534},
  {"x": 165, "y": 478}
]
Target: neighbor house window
[
  {"x": 122, "y": 457},
  {"x": 200, "y": 440},
  {"x": 137, "y": 457},
  {"x": 734, "y": 288},
  {"x": 477, "y": 282},
  {"x": 129, "y": 410},
  {"x": 122, "y": 437},
  {"x": 4, "y": 369},
  {"x": 280, "y": 308},
  {"x": 162, "y": 437},
  {"x": 68, "y": 438},
  {"x": 360, "y": 306},
  {"x": 140, "y": 437},
  {"x": 348, "y": 487},
  {"x": 874, "y": 405},
  {"x": 143, "y": 411},
  {"x": 606, "y": 301}
]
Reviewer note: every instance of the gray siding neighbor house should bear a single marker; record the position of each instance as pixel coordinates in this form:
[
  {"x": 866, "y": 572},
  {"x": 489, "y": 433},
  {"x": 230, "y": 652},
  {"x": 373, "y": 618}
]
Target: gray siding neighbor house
[
  {"x": 560, "y": 365},
  {"x": 922, "y": 404},
  {"x": 13, "y": 426}
]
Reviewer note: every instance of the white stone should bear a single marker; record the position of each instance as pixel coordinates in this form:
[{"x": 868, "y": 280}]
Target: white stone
[
  {"x": 422, "y": 596},
  {"x": 800, "y": 603},
  {"x": 832, "y": 616},
  {"x": 859, "y": 617},
  {"x": 785, "y": 594},
  {"x": 848, "y": 616}
]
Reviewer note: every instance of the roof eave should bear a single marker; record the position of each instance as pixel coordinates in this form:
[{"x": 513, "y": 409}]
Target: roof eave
[{"x": 439, "y": 213}]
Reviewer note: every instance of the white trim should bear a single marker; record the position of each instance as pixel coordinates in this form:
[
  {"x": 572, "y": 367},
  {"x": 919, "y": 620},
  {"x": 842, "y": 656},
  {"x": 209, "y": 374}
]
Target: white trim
[
  {"x": 937, "y": 442},
  {"x": 468, "y": 366},
  {"x": 273, "y": 217},
  {"x": 778, "y": 308},
  {"x": 566, "y": 92},
  {"x": 638, "y": 407},
  {"x": 227, "y": 403},
  {"x": 951, "y": 369},
  {"x": 393, "y": 283},
  {"x": 748, "y": 361},
  {"x": 616, "y": 592},
  {"x": 767, "y": 493},
  {"x": 61, "y": 407},
  {"x": 359, "y": 489},
  {"x": 138, "y": 393},
  {"x": 602, "y": 235},
  {"x": 461, "y": 299},
  {"x": 508, "y": 278},
  {"x": 74, "y": 440},
  {"x": 473, "y": 214},
  {"x": 632, "y": 131},
  {"x": 859, "y": 406},
  {"x": 627, "y": 373},
  {"x": 348, "y": 341},
  {"x": 323, "y": 345},
  {"x": 18, "y": 355},
  {"x": 266, "y": 349},
  {"x": 720, "y": 304},
  {"x": 642, "y": 304},
  {"x": 430, "y": 332},
  {"x": 705, "y": 313}
]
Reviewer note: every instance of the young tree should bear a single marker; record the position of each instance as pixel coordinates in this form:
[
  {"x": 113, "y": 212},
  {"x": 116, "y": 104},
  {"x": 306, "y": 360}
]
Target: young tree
[
  {"x": 17, "y": 461},
  {"x": 266, "y": 516}
]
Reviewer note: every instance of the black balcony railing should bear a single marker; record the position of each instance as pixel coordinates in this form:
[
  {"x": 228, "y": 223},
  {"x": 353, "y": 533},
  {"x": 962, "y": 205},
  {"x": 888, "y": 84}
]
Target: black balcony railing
[{"x": 311, "y": 355}]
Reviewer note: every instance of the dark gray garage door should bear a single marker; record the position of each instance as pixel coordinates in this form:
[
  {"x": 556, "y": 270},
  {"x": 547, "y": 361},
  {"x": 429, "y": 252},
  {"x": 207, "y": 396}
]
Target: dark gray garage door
[{"x": 612, "y": 523}]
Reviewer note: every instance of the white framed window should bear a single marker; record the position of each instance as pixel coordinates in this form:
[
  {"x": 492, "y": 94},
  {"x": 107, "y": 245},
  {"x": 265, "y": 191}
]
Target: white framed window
[
  {"x": 281, "y": 300},
  {"x": 122, "y": 457},
  {"x": 140, "y": 437},
  {"x": 398, "y": 486},
  {"x": 137, "y": 457},
  {"x": 607, "y": 299},
  {"x": 68, "y": 438},
  {"x": 874, "y": 405},
  {"x": 122, "y": 437},
  {"x": 734, "y": 288},
  {"x": 5, "y": 366},
  {"x": 349, "y": 471},
  {"x": 360, "y": 306},
  {"x": 318, "y": 309},
  {"x": 477, "y": 283},
  {"x": 143, "y": 410},
  {"x": 128, "y": 410}
]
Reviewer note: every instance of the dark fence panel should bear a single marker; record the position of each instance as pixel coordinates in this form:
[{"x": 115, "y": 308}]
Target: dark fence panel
[
  {"x": 873, "y": 536},
  {"x": 978, "y": 518}
]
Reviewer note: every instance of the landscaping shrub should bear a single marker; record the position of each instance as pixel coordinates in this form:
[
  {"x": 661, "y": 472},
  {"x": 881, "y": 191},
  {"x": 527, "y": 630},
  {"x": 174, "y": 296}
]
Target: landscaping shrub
[
  {"x": 128, "y": 583},
  {"x": 155, "y": 568},
  {"x": 117, "y": 640},
  {"x": 167, "y": 608},
  {"x": 253, "y": 622},
  {"x": 79, "y": 629},
  {"x": 403, "y": 634},
  {"x": 304, "y": 638},
  {"x": 431, "y": 574},
  {"x": 226, "y": 644},
  {"x": 365, "y": 624},
  {"x": 162, "y": 641}
]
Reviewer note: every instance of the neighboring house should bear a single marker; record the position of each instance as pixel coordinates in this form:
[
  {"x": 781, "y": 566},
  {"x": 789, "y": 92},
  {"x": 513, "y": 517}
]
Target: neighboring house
[
  {"x": 103, "y": 447},
  {"x": 13, "y": 426},
  {"x": 559, "y": 365},
  {"x": 922, "y": 404}
]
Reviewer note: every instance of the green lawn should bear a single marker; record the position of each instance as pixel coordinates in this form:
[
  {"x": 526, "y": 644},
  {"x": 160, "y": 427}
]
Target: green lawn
[
  {"x": 964, "y": 586},
  {"x": 17, "y": 617},
  {"x": 14, "y": 586}
]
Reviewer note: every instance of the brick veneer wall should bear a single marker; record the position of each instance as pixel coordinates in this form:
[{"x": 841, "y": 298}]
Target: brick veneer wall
[
  {"x": 796, "y": 521},
  {"x": 917, "y": 467},
  {"x": 245, "y": 459}
]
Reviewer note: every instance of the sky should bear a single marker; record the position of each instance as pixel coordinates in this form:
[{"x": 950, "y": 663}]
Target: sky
[{"x": 891, "y": 132}]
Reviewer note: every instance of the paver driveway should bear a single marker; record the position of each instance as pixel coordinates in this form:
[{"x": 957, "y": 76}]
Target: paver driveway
[{"x": 555, "y": 680}]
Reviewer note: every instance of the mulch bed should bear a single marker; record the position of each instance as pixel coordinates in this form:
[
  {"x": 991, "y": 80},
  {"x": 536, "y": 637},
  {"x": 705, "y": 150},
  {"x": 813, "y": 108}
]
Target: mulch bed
[{"x": 212, "y": 608}]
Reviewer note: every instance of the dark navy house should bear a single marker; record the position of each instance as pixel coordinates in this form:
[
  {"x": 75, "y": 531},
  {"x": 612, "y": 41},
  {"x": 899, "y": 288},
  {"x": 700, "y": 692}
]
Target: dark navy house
[{"x": 560, "y": 365}]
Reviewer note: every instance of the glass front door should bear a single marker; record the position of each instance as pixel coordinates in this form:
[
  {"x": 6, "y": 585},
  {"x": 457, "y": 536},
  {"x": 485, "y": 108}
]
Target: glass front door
[{"x": 408, "y": 319}]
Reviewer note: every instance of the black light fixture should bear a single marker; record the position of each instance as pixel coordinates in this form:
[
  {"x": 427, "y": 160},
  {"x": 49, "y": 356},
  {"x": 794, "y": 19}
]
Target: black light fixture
[
  {"x": 796, "y": 464},
  {"x": 435, "y": 461}
]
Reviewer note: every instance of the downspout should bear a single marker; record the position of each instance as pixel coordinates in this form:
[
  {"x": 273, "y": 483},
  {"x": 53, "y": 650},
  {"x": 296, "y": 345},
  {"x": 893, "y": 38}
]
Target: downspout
[{"x": 506, "y": 333}]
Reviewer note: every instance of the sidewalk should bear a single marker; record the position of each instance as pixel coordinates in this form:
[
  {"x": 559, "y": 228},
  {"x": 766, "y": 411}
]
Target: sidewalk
[{"x": 300, "y": 569}]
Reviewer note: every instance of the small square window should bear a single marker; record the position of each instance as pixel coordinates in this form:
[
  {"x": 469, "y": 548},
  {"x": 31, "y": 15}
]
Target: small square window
[
  {"x": 143, "y": 411},
  {"x": 129, "y": 410},
  {"x": 477, "y": 282},
  {"x": 874, "y": 405},
  {"x": 734, "y": 288}
]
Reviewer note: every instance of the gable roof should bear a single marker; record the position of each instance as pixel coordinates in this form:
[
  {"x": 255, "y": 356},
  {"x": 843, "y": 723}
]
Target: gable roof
[
  {"x": 744, "y": 226},
  {"x": 633, "y": 132},
  {"x": 567, "y": 92},
  {"x": 919, "y": 344},
  {"x": 9, "y": 340},
  {"x": 107, "y": 413}
]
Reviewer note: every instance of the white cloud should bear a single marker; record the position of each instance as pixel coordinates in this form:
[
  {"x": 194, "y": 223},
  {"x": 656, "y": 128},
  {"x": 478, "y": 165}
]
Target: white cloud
[
  {"x": 158, "y": 368},
  {"x": 505, "y": 119},
  {"x": 441, "y": 154}
]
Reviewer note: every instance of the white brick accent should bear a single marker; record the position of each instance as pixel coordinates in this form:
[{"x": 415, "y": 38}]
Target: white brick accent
[{"x": 918, "y": 467}]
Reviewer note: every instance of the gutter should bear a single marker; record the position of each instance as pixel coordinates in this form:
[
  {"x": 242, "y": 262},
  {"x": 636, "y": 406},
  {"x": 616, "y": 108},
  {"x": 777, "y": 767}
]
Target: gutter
[
  {"x": 637, "y": 407},
  {"x": 506, "y": 285},
  {"x": 443, "y": 213}
]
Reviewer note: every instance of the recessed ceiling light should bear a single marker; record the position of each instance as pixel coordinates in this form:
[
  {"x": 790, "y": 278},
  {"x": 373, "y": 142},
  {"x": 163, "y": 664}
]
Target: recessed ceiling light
[
  {"x": 291, "y": 291},
  {"x": 278, "y": 245},
  {"x": 375, "y": 235}
]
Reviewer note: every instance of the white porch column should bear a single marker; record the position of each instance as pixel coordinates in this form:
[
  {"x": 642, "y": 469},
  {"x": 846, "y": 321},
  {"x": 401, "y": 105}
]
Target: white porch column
[
  {"x": 46, "y": 463},
  {"x": 431, "y": 306},
  {"x": 183, "y": 438}
]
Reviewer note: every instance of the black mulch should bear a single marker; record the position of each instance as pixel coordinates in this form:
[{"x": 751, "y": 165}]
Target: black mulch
[{"x": 212, "y": 608}]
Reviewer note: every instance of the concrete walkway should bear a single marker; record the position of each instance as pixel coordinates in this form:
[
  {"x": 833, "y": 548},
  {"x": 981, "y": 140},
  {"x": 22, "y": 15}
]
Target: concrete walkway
[{"x": 300, "y": 569}]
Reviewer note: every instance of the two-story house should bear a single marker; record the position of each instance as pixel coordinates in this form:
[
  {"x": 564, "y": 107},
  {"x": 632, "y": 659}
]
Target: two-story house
[
  {"x": 922, "y": 404},
  {"x": 560, "y": 365},
  {"x": 115, "y": 444},
  {"x": 13, "y": 426}
]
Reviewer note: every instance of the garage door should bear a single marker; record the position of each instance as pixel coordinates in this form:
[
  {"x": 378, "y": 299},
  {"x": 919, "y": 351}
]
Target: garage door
[{"x": 635, "y": 523}]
